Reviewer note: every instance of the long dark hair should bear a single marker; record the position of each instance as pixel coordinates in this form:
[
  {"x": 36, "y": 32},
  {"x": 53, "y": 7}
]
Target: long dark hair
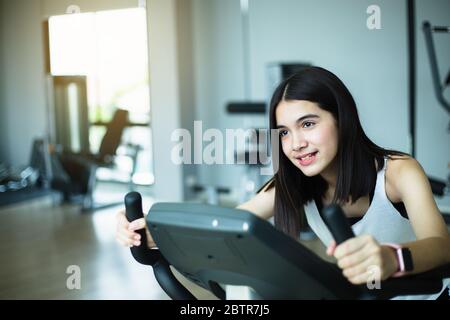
[{"x": 356, "y": 154}]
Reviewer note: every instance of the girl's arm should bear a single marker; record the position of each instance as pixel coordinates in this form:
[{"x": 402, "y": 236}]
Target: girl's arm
[
  {"x": 262, "y": 204},
  {"x": 432, "y": 247},
  {"x": 406, "y": 182}
]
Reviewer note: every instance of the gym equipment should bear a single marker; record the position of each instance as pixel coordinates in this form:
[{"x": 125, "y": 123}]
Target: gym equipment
[
  {"x": 20, "y": 183},
  {"x": 439, "y": 187},
  {"x": 439, "y": 88},
  {"x": 78, "y": 171},
  {"x": 214, "y": 246},
  {"x": 337, "y": 223},
  {"x": 153, "y": 257}
]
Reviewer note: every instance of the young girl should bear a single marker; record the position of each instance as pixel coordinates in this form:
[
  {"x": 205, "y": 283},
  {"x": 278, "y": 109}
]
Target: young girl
[{"x": 327, "y": 158}]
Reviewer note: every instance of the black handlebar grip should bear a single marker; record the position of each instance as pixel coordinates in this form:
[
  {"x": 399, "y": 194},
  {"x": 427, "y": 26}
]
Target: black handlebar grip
[
  {"x": 143, "y": 254},
  {"x": 133, "y": 207},
  {"x": 337, "y": 223}
]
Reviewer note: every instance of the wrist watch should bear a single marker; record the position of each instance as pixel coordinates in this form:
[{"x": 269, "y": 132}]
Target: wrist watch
[{"x": 404, "y": 259}]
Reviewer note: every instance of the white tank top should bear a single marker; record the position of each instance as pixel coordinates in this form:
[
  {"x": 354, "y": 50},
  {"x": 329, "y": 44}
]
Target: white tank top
[{"x": 381, "y": 220}]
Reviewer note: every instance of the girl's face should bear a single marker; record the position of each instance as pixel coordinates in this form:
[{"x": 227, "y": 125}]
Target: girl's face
[{"x": 308, "y": 135}]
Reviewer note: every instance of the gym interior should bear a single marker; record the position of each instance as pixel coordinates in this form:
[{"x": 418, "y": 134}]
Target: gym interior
[{"x": 93, "y": 95}]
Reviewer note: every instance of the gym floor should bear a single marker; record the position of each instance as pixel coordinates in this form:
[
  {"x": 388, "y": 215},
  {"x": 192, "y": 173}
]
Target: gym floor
[{"x": 40, "y": 240}]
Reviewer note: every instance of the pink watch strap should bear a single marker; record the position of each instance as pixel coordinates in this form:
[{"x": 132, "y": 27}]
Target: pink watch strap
[{"x": 400, "y": 261}]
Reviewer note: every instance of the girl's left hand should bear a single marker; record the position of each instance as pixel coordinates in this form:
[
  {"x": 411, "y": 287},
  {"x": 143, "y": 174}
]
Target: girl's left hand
[{"x": 357, "y": 256}]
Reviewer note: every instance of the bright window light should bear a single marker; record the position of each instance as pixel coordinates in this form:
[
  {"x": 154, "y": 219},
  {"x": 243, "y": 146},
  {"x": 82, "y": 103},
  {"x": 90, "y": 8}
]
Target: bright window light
[{"x": 110, "y": 49}]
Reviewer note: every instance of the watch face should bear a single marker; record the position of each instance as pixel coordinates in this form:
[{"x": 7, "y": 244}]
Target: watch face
[{"x": 407, "y": 259}]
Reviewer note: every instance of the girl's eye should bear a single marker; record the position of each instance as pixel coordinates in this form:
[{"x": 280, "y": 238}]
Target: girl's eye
[
  {"x": 307, "y": 124},
  {"x": 283, "y": 133}
]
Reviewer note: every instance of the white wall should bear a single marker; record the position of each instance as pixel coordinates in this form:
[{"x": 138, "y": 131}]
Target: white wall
[
  {"x": 186, "y": 84},
  {"x": 23, "y": 115},
  {"x": 164, "y": 96},
  {"x": 218, "y": 76}
]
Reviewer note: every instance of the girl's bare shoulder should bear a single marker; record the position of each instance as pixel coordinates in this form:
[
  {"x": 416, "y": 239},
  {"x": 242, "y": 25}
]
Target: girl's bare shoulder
[{"x": 399, "y": 169}]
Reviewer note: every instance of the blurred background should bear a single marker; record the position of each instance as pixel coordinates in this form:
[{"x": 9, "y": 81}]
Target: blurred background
[{"x": 92, "y": 91}]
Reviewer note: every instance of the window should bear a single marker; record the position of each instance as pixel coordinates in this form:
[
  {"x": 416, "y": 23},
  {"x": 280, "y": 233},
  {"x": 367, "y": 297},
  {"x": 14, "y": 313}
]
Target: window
[{"x": 110, "y": 49}]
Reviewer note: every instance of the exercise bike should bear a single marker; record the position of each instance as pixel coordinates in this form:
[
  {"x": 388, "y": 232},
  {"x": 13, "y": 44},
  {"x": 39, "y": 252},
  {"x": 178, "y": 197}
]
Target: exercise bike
[{"x": 216, "y": 247}]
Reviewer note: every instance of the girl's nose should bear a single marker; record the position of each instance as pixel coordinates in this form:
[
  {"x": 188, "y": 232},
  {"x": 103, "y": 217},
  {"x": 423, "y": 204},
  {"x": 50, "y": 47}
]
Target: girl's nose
[{"x": 298, "y": 142}]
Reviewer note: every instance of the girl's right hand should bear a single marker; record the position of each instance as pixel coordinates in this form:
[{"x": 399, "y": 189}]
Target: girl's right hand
[{"x": 125, "y": 231}]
